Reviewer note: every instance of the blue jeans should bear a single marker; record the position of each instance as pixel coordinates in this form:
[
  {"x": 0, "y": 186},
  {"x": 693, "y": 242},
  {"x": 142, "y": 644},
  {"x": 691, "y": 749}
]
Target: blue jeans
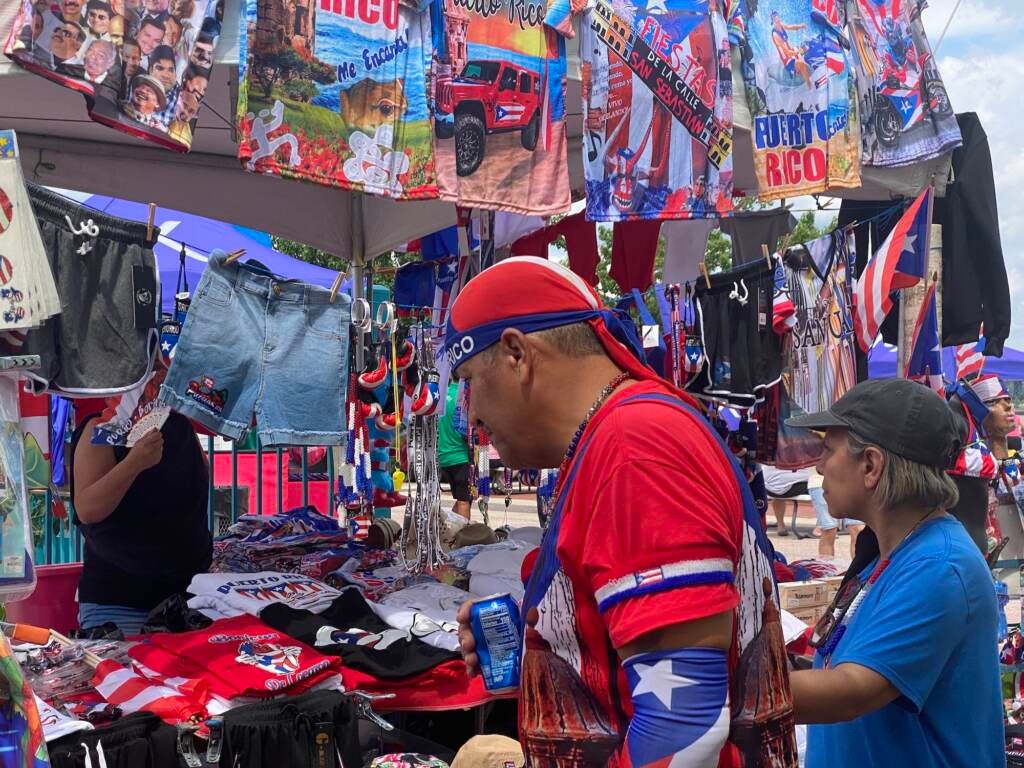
[
  {"x": 825, "y": 521},
  {"x": 256, "y": 343}
]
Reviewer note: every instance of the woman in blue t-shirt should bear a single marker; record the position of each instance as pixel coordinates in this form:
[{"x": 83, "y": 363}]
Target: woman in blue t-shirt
[{"x": 905, "y": 666}]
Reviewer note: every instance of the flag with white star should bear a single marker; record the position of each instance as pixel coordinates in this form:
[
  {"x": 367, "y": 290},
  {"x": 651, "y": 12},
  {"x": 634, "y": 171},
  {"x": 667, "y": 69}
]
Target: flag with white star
[
  {"x": 925, "y": 361},
  {"x": 681, "y": 701},
  {"x": 899, "y": 263}
]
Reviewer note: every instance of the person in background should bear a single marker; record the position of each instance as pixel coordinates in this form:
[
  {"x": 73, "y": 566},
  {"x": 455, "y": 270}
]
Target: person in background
[
  {"x": 453, "y": 455},
  {"x": 904, "y": 656},
  {"x": 143, "y": 515},
  {"x": 161, "y": 67},
  {"x": 782, "y": 485},
  {"x": 196, "y": 81},
  {"x": 829, "y": 525},
  {"x": 99, "y": 57},
  {"x": 131, "y": 55},
  {"x": 998, "y": 425},
  {"x": 97, "y": 18},
  {"x": 147, "y": 101},
  {"x": 65, "y": 42},
  {"x": 151, "y": 34},
  {"x": 70, "y": 11}
]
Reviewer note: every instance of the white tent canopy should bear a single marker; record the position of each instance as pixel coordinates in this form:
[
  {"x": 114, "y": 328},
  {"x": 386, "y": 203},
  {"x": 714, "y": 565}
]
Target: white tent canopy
[{"x": 62, "y": 147}]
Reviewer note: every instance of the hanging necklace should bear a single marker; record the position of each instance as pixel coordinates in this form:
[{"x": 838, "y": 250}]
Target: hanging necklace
[
  {"x": 833, "y": 625},
  {"x": 574, "y": 443}
]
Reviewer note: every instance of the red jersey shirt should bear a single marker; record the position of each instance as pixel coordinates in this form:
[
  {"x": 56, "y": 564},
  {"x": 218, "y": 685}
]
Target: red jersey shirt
[{"x": 651, "y": 535}]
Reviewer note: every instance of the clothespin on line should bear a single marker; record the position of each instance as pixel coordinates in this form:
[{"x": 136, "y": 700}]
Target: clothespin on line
[
  {"x": 766, "y": 253},
  {"x": 149, "y": 221},
  {"x": 704, "y": 272},
  {"x": 336, "y": 285},
  {"x": 234, "y": 256}
]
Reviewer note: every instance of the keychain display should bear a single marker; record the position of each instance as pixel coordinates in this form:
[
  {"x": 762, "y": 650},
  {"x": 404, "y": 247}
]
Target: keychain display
[{"x": 423, "y": 519}]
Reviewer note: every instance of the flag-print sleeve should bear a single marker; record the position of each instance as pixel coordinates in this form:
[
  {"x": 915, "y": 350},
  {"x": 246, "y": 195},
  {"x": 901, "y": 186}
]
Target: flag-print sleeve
[
  {"x": 561, "y": 13},
  {"x": 663, "y": 542}
]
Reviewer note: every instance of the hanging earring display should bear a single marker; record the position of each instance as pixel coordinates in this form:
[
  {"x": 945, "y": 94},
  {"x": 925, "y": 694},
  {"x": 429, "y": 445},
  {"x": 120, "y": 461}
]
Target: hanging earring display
[{"x": 423, "y": 509}]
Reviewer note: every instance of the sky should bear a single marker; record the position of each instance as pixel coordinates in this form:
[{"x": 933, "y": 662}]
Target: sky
[{"x": 979, "y": 61}]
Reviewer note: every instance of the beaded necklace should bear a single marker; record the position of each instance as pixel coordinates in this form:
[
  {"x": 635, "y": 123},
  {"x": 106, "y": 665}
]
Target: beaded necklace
[
  {"x": 829, "y": 631},
  {"x": 574, "y": 443}
]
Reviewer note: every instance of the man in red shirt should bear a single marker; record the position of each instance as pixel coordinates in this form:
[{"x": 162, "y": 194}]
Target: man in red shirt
[{"x": 654, "y": 576}]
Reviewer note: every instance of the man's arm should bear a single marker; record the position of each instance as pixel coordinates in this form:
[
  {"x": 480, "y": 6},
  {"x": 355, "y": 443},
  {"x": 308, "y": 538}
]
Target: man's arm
[
  {"x": 678, "y": 678},
  {"x": 838, "y": 695}
]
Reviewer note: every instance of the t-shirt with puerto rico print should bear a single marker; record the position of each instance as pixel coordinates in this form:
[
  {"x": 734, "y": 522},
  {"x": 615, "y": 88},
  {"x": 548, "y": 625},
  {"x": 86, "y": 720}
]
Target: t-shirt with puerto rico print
[
  {"x": 335, "y": 92},
  {"x": 653, "y": 498},
  {"x": 500, "y": 133},
  {"x": 657, "y": 107}
]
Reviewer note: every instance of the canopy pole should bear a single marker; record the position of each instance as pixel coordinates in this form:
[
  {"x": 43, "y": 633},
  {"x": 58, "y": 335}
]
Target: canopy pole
[{"x": 358, "y": 271}]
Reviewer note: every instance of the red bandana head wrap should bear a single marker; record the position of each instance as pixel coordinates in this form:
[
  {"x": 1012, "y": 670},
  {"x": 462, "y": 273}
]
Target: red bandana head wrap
[{"x": 530, "y": 295}]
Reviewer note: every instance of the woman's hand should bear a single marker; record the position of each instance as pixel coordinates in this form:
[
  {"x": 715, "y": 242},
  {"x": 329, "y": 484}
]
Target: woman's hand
[{"x": 148, "y": 451}]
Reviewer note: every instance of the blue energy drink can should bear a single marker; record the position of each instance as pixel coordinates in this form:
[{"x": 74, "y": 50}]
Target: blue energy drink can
[{"x": 495, "y": 624}]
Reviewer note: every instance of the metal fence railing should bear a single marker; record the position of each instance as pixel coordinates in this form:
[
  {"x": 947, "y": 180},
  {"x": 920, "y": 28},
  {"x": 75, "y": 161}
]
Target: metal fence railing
[{"x": 241, "y": 482}]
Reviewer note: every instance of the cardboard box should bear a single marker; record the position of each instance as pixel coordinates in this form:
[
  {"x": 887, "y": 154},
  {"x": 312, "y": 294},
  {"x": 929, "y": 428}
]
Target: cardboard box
[
  {"x": 803, "y": 594},
  {"x": 809, "y": 616},
  {"x": 832, "y": 583}
]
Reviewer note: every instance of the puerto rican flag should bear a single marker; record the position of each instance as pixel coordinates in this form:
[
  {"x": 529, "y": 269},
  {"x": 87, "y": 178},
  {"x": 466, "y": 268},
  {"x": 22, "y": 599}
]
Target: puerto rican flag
[
  {"x": 504, "y": 113},
  {"x": 899, "y": 263},
  {"x": 969, "y": 358},
  {"x": 666, "y": 685},
  {"x": 123, "y": 688},
  {"x": 924, "y": 364}
]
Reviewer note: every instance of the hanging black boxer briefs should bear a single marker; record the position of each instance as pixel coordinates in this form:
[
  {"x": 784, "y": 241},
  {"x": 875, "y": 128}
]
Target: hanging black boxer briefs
[{"x": 742, "y": 354}]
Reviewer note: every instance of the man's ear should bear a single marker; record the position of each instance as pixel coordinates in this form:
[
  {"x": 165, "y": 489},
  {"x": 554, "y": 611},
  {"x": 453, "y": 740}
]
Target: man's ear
[
  {"x": 873, "y": 461},
  {"x": 516, "y": 350}
]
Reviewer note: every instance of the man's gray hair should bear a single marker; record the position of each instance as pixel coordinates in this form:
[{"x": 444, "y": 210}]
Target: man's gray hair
[
  {"x": 907, "y": 482},
  {"x": 108, "y": 47},
  {"x": 574, "y": 341}
]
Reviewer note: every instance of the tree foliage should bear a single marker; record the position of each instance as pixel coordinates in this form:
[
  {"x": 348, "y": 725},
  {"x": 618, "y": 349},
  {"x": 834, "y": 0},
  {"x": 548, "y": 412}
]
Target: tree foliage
[{"x": 283, "y": 63}]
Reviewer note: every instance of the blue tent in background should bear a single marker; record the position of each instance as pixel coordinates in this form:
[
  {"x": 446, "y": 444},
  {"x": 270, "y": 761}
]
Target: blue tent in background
[
  {"x": 200, "y": 236},
  {"x": 882, "y": 363}
]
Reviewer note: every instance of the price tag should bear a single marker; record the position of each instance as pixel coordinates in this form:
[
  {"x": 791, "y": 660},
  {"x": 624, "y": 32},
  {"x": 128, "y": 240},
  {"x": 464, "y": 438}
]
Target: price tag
[{"x": 651, "y": 336}]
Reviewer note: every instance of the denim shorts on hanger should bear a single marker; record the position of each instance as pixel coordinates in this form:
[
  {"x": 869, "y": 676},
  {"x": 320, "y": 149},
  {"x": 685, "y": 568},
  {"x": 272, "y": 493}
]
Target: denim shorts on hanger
[{"x": 255, "y": 344}]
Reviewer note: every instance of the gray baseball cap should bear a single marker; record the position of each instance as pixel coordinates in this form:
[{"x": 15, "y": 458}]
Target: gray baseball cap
[{"x": 902, "y": 416}]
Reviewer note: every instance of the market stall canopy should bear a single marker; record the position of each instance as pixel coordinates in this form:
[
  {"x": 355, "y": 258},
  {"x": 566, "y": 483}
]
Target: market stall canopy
[
  {"x": 882, "y": 363},
  {"x": 201, "y": 235},
  {"x": 62, "y": 147}
]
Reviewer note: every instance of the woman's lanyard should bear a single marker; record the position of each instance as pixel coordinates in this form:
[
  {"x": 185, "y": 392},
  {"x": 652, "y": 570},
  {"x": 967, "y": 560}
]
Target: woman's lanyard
[{"x": 829, "y": 631}]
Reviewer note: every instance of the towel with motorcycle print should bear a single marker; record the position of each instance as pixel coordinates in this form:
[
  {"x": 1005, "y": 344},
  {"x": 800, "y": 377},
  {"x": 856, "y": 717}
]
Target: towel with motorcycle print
[
  {"x": 801, "y": 94},
  {"x": 906, "y": 114},
  {"x": 657, "y": 113}
]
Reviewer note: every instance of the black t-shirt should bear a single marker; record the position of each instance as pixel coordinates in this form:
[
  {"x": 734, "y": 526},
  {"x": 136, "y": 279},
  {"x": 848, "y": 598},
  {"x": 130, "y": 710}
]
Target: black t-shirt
[
  {"x": 158, "y": 537},
  {"x": 350, "y": 629}
]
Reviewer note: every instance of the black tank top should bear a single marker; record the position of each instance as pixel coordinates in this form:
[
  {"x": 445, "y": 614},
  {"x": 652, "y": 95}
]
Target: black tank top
[{"x": 158, "y": 537}]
